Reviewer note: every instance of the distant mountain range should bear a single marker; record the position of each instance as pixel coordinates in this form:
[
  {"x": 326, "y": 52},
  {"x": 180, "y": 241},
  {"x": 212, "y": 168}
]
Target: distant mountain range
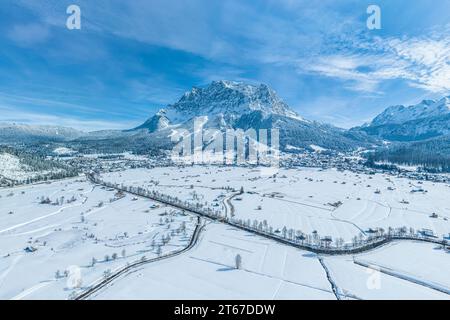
[
  {"x": 428, "y": 119},
  {"x": 30, "y": 133},
  {"x": 227, "y": 104},
  {"x": 418, "y": 134}
]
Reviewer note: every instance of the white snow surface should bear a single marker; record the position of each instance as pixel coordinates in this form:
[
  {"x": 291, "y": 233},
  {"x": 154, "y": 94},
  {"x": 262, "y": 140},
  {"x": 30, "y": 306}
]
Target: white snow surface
[
  {"x": 97, "y": 222},
  {"x": 425, "y": 109},
  {"x": 302, "y": 198},
  {"x": 73, "y": 234}
]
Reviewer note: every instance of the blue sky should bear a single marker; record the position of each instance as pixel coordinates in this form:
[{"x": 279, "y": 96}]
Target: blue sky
[{"x": 132, "y": 57}]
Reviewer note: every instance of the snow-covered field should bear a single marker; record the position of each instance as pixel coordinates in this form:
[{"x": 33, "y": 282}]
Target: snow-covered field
[
  {"x": 305, "y": 199},
  {"x": 69, "y": 236},
  {"x": 94, "y": 222},
  {"x": 274, "y": 271}
]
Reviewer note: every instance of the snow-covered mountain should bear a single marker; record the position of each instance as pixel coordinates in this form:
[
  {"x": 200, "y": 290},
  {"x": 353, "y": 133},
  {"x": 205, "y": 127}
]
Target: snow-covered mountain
[
  {"x": 425, "y": 120},
  {"x": 229, "y": 100},
  {"x": 226, "y": 104},
  {"x": 401, "y": 114},
  {"x": 223, "y": 103}
]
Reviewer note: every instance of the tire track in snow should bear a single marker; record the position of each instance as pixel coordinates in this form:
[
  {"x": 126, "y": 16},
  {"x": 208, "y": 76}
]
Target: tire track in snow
[
  {"x": 48, "y": 215},
  {"x": 29, "y": 291},
  {"x": 8, "y": 270}
]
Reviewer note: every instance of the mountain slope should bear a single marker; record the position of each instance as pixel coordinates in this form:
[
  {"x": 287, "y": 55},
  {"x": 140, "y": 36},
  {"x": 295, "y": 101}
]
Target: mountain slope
[
  {"x": 234, "y": 105},
  {"x": 158, "y": 122},
  {"x": 29, "y": 133}
]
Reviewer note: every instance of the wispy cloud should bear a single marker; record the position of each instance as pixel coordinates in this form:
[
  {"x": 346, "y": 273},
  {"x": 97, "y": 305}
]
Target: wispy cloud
[
  {"x": 423, "y": 62},
  {"x": 426, "y": 60},
  {"x": 29, "y": 34},
  {"x": 138, "y": 55},
  {"x": 345, "y": 67},
  {"x": 235, "y": 33}
]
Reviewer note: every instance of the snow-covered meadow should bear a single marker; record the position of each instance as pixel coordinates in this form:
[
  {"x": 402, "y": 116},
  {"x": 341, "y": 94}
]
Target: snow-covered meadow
[
  {"x": 333, "y": 203},
  {"x": 274, "y": 271},
  {"x": 269, "y": 271},
  {"x": 85, "y": 229},
  {"x": 90, "y": 231}
]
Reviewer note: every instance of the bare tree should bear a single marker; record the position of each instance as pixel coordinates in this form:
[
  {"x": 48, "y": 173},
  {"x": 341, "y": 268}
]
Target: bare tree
[
  {"x": 159, "y": 251},
  {"x": 107, "y": 273}
]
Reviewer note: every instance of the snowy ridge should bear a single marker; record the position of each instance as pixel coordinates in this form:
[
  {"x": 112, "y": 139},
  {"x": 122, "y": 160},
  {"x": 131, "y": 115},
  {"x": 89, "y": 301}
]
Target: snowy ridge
[
  {"x": 428, "y": 119},
  {"x": 401, "y": 114},
  {"x": 228, "y": 100},
  {"x": 224, "y": 103},
  {"x": 25, "y": 131}
]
